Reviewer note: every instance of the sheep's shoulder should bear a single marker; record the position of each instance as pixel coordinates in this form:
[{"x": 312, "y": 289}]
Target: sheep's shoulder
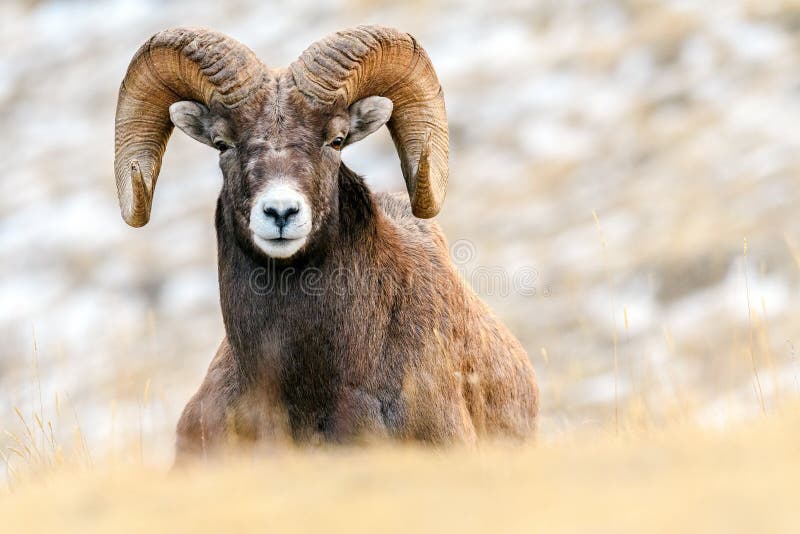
[{"x": 397, "y": 208}]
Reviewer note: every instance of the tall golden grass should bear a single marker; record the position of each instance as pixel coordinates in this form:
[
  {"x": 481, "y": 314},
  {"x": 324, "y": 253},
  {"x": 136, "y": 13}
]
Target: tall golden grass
[{"x": 679, "y": 479}]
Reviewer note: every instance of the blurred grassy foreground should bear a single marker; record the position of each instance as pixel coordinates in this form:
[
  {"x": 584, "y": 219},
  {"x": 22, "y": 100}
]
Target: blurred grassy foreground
[{"x": 676, "y": 480}]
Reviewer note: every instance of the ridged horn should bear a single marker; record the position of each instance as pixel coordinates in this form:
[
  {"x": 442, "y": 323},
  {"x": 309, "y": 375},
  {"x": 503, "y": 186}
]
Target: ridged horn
[
  {"x": 175, "y": 64},
  {"x": 379, "y": 61}
]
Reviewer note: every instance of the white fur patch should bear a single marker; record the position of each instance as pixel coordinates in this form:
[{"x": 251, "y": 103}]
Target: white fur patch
[{"x": 276, "y": 241}]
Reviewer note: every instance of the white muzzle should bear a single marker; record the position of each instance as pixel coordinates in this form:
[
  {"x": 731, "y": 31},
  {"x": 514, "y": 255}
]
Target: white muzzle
[{"x": 280, "y": 220}]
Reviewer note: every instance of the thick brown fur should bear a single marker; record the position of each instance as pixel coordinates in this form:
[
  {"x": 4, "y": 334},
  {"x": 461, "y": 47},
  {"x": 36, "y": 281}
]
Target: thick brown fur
[{"x": 367, "y": 333}]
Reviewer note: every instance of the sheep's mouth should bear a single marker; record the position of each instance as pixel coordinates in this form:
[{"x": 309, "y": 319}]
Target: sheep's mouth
[
  {"x": 279, "y": 247},
  {"x": 282, "y": 240},
  {"x": 278, "y": 240}
]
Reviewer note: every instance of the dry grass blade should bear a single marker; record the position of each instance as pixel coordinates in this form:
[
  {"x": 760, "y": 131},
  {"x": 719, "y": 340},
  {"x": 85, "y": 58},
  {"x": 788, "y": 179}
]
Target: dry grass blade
[
  {"x": 10, "y": 472},
  {"x": 614, "y": 318},
  {"x": 751, "y": 347}
]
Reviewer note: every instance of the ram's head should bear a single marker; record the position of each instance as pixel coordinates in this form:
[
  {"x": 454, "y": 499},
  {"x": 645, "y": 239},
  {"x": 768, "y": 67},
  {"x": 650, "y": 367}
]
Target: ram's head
[{"x": 279, "y": 132}]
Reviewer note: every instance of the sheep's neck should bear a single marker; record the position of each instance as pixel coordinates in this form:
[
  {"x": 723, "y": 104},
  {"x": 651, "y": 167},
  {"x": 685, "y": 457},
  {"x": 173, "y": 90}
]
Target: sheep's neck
[{"x": 279, "y": 311}]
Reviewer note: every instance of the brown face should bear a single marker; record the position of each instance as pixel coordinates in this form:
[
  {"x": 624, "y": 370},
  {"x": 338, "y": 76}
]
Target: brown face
[{"x": 280, "y": 163}]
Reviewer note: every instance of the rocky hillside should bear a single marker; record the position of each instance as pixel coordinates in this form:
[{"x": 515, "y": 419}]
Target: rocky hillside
[{"x": 608, "y": 160}]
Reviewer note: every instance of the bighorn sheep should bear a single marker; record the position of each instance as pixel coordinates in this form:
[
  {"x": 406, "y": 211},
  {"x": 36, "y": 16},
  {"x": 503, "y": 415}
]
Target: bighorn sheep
[{"x": 406, "y": 350}]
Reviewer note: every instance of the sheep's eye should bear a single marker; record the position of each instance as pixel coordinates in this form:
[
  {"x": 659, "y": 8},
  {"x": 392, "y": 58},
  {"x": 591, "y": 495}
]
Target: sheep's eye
[
  {"x": 337, "y": 143},
  {"x": 221, "y": 145}
]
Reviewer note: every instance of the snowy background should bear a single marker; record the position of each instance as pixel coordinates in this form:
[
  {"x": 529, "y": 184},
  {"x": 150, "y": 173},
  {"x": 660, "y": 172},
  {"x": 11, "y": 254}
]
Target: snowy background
[{"x": 676, "y": 123}]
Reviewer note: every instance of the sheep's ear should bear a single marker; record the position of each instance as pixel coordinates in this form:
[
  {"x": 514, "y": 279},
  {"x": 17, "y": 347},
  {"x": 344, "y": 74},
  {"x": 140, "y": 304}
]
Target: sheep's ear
[
  {"x": 366, "y": 116},
  {"x": 194, "y": 119}
]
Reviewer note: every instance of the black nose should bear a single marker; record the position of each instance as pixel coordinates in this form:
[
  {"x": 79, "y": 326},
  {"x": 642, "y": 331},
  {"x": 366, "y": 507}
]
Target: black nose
[{"x": 281, "y": 217}]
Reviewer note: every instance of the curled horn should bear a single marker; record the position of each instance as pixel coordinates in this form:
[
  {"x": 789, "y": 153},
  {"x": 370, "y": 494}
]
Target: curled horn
[
  {"x": 378, "y": 61},
  {"x": 175, "y": 64}
]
